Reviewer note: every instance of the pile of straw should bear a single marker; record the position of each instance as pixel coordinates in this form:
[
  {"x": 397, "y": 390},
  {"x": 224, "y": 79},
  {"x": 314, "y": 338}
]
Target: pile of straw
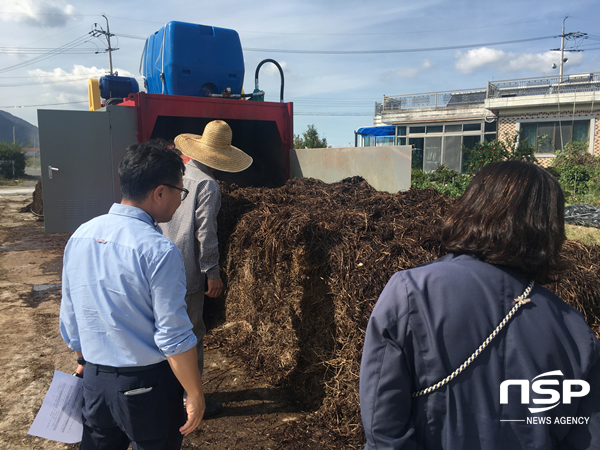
[{"x": 305, "y": 264}]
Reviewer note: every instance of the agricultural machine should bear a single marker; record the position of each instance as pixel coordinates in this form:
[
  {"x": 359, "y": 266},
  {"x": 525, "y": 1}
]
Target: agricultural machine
[{"x": 193, "y": 74}]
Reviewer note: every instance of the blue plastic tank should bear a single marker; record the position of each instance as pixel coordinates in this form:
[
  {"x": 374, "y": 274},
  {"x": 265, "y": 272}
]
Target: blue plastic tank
[
  {"x": 112, "y": 86},
  {"x": 190, "y": 59}
]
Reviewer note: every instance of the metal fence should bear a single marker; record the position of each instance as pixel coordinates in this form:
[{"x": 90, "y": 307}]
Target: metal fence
[
  {"x": 434, "y": 99},
  {"x": 587, "y": 82},
  {"x": 378, "y": 108}
]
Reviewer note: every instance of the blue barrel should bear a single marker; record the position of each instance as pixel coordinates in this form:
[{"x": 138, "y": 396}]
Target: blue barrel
[
  {"x": 193, "y": 60},
  {"x": 117, "y": 87}
]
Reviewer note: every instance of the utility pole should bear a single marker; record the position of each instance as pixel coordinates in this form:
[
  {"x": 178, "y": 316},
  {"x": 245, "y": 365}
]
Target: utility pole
[
  {"x": 107, "y": 34},
  {"x": 562, "y": 50},
  {"x": 563, "y": 60}
]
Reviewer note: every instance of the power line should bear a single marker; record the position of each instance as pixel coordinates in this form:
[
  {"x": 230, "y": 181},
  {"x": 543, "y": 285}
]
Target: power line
[
  {"x": 46, "y": 104},
  {"x": 407, "y": 50},
  {"x": 42, "y": 51},
  {"x": 42, "y": 76},
  {"x": 363, "y": 52},
  {"x": 130, "y": 36},
  {"x": 60, "y": 32},
  {"x": 74, "y": 43},
  {"x": 333, "y": 114},
  {"x": 45, "y": 83},
  {"x": 303, "y": 33}
]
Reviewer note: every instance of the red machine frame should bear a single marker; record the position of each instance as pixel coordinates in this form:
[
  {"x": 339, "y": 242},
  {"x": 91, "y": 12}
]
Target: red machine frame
[{"x": 151, "y": 106}]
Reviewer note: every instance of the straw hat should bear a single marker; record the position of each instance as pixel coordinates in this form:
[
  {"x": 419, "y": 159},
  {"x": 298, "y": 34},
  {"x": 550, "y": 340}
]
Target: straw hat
[{"x": 213, "y": 148}]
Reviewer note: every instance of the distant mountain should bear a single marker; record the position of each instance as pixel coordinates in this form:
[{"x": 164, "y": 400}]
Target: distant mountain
[{"x": 24, "y": 132}]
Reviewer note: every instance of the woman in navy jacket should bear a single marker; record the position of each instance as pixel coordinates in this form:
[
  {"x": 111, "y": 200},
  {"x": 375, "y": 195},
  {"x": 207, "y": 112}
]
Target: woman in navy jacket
[{"x": 536, "y": 384}]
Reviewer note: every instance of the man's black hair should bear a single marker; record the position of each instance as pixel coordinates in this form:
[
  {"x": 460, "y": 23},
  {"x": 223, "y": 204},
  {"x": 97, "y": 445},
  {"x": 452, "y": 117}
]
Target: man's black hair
[{"x": 146, "y": 166}]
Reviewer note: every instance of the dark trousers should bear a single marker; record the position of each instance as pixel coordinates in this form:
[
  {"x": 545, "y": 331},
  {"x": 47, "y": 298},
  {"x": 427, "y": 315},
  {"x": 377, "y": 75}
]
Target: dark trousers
[{"x": 149, "y": 421}]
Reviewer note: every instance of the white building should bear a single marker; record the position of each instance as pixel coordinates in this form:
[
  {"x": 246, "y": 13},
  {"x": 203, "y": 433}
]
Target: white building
[{"x": 548, "y": 112}]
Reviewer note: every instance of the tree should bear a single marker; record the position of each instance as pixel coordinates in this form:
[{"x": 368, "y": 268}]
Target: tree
[
  {"x": 12, "y": 160},
  {"x": 310, "y": 139}
]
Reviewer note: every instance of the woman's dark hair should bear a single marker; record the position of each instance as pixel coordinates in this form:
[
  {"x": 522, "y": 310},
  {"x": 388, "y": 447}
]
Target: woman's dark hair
[
  {"x": 511, "y": 214},
  {"x": 147, "y": 165}
]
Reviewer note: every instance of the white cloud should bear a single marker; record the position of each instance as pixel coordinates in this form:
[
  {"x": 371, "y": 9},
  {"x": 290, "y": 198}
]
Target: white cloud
[
  {"x": 45, "y": 13},
  {"x": 409, "y": 72},
  {"x": 484, "y": 57},
  {"x": 271, "y": 69},
  {"x": 70, "y": 86}
]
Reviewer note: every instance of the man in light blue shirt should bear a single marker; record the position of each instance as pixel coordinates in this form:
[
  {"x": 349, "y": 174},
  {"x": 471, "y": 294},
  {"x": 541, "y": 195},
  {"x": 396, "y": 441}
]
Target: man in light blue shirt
[{"x": 123, "y": 312}]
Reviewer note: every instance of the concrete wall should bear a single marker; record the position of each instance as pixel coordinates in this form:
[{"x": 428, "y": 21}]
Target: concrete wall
[{"x": 385, "y": 168}]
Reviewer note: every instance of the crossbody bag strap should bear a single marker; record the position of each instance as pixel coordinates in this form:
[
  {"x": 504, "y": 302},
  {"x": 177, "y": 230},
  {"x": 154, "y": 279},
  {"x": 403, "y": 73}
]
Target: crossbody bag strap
[{"x": 519, "y": 301}]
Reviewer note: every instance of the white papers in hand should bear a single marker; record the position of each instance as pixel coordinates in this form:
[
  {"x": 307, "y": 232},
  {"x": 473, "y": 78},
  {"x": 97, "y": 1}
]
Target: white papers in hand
[{"x": 59, "y": 418}]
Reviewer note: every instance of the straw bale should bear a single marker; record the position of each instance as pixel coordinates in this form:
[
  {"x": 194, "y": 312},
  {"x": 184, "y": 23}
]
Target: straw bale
[
  {"x": 37, "y": 206},
  {"x": 305, "y": 264}
]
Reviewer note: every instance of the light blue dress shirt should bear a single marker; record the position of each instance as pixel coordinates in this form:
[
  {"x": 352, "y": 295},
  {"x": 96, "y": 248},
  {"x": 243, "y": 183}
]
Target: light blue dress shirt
[{"x": 123, "y": 291}]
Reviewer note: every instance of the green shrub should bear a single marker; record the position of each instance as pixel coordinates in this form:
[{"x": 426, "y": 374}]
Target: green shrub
[
  {"x": 578, "y": 173},
  {"x": 443, "y": 179},
  {"x": 418, "y": 179},
  {"x": 574, "y": 153},
  {"x": 443, "y": 174},
  {"x": 554, "y": 171},
  {"x": 483, "y": 153},
  {"x": 12, "y": 159}
]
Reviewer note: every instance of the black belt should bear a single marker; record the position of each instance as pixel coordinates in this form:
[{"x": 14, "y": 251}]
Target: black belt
[{"x": 111, "y": 369}]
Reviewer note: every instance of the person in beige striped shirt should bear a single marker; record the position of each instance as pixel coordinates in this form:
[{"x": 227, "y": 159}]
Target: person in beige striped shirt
[{"x": 193, "y": 227}]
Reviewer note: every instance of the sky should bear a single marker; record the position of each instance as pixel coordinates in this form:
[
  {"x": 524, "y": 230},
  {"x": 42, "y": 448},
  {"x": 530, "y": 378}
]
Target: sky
[{"x": 339, "y": 57}]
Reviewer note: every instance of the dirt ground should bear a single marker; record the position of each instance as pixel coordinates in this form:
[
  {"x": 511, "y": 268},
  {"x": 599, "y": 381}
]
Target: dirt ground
[{"x": 256, "y": 415}]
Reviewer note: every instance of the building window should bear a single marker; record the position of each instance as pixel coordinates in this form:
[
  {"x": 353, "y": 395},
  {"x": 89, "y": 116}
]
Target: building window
[
  {"x": 490, "y": 127},
  {"x": 368, "y": 141},
  {"x": 454, "y": 128},
  {"x": 435, "y": 144},
  {"x": 472, "y": 127},
  {"x": 435, "y": 129},
  {"x": 383, "y": 141},
  {"x": 432, "y": 157},
  {"x": 547, "y": 137},
  {"x": 470, "y": 141}
]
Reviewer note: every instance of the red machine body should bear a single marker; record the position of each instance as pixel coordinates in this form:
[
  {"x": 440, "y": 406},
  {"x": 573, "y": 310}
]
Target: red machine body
[{"x": 264, "y": 130}]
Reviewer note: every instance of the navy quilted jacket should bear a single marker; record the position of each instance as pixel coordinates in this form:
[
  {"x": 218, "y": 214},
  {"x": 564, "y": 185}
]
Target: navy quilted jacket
[{"x": 430, "y": 319}]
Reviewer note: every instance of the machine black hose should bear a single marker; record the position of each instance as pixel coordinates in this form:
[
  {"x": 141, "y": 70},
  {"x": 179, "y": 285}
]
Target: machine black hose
[{"x": 280, "y": 72}]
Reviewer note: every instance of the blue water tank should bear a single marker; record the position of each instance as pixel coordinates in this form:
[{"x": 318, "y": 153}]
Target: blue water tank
[
  {"x": 190, "y": 59},
  {"x": 112, "y": 86}
]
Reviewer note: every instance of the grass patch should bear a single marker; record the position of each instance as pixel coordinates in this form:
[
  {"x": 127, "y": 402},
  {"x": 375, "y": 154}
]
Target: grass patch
[
  {"x": 33, "y": 162},
  {"x": 585, "y": 235},
  {"x": 18, "y": 181},
  {"x": 9, "y": 182}
]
